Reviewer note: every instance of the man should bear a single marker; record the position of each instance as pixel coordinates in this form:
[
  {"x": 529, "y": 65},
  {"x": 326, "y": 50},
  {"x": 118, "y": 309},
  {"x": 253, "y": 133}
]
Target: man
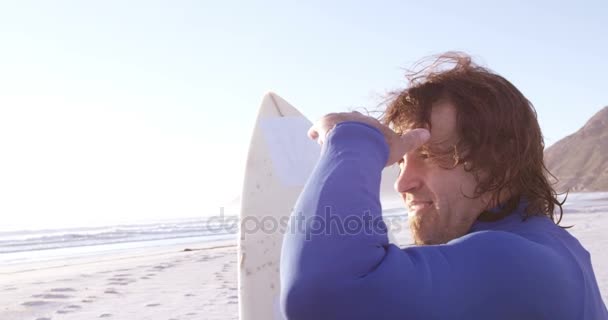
[{"x": 480, "y": 209}]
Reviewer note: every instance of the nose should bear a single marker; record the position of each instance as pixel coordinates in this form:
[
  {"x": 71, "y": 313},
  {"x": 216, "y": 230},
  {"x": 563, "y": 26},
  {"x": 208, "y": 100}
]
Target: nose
[{"x": 409, "y": 178}]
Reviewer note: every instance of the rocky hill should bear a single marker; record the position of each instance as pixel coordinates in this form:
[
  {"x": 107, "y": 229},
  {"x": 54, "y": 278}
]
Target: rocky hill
[{"x": 580, "y": 160}]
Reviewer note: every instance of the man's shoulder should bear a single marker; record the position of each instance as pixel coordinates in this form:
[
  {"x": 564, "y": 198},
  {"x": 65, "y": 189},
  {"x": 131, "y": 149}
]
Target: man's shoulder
[
  {"x": 498, "y": 243},
  {"x": 491, "y": 237},
  {"x": 544, "y": 248},
  {"x": 517, "y": 230}
]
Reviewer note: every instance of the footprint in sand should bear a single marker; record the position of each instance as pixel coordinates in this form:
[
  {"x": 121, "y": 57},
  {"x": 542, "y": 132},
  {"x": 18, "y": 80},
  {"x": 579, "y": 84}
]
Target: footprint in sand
[
  {"x": 117, "y": 283},
  {"x": 120, "y": 281},
  {"x": 34, "y": 303},
  {"x": 162, "y": 267},
  {"x": 63, "y": 290},
  {"x": 69, "y": 309},
  {"x": 51, "y": 296},
  {"x": 111, "y": 291}
]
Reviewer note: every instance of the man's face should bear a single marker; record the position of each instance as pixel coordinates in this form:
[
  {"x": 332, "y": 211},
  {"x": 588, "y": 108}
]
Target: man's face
[{"x": 440, "y": 201}]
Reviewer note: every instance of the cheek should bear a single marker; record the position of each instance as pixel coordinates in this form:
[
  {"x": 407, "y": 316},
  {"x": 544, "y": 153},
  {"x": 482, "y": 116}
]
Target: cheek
[
  {"x": 452, "y": 190},
  {"x": 463, "y": 180},
  {"x": 464, "y": 203},
  {"x": 445, "y": 185},
  {"x": 467, "y": 182}
]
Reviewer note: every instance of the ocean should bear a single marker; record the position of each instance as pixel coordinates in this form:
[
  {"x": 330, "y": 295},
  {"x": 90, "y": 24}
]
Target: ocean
[{"x": 23, "y": 246}]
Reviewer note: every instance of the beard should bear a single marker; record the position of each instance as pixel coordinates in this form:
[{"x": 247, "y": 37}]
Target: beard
[
  {"x": 424, "y": 229},
  {"x": 433, "y": 228}
]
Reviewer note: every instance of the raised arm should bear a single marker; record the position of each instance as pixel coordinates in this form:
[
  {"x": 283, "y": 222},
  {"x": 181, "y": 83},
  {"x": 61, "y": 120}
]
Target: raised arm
[{"x": 337, "y": 263}]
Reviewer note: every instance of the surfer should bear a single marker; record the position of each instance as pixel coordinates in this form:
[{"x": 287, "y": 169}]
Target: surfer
[{"x": 483, "y": 215}]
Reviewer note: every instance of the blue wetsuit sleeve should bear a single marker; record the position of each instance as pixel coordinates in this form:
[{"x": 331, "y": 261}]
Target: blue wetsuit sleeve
[{"x": 337, "y": 263}]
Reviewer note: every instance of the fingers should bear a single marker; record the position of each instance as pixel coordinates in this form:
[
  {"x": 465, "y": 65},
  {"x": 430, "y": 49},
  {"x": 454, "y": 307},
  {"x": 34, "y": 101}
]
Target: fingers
[
  {"x": 318, "y": 132},
  {"x": 312, "y": 133},
  {"x": 320, "y": 129},
  {"x": 413, "y": 139},
  {"x": 405, "y": 143},
  {"x": 398, "y": 145}
]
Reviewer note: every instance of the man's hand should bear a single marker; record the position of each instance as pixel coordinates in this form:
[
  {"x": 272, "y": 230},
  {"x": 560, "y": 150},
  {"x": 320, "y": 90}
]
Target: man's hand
[{"x": 398, "y": 145}]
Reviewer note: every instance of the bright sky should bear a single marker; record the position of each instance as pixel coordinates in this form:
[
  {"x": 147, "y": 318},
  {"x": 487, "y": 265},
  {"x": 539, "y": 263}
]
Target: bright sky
[{"x": 143, "y": 109}]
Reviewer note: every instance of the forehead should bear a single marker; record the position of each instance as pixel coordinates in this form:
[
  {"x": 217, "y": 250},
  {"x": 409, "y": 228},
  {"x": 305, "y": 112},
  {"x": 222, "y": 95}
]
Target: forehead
[{"x": 443, "y": 122}]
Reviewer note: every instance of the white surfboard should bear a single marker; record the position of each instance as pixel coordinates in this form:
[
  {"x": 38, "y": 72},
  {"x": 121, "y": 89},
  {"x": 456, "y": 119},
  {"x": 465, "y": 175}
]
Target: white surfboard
[{"x": 280, "y": 160}]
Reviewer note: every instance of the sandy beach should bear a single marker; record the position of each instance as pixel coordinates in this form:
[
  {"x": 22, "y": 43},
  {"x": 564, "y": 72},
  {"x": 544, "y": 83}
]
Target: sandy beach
[
  {"x": 590, "y": 227},
  {"x": 169, "y": 283},
  {"x": 161, "y": 283}
]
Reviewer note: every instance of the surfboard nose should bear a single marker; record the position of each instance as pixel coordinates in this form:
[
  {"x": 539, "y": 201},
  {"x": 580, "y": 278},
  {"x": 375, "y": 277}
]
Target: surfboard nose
[{"x": 274, "y": 105}]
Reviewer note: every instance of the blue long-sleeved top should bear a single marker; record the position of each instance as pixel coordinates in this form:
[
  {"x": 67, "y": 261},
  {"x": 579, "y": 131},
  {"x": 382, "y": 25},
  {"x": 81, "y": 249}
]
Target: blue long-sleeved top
[{"x": 335, "y": 266}]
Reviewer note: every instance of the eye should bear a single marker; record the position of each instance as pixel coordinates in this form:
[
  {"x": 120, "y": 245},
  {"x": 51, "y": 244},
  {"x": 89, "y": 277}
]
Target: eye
[
  {"x": 400, "y": 164},
  {"x": 424, "y": 155}
]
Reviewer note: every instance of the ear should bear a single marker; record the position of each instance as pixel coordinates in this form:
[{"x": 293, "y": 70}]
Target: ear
[{"x": 488, "y": 200}]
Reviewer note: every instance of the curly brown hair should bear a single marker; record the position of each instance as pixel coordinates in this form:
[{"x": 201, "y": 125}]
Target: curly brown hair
[{"x": 499, "y": 138}]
